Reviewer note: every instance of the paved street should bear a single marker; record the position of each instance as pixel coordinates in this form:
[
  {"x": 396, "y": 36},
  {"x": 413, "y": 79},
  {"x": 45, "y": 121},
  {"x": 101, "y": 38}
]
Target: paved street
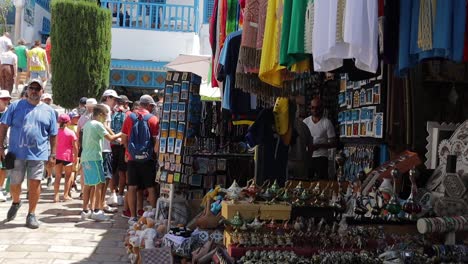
[{"x": 62, "y": 238}]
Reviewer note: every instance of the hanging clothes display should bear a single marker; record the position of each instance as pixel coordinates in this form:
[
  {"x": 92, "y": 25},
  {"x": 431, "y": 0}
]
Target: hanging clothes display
[
  {"x": 442, "y": 24},
  {"x": 292, "y": 37},
  {"x": 271, "y": 71},
  {"x": 345, "y": 33}
]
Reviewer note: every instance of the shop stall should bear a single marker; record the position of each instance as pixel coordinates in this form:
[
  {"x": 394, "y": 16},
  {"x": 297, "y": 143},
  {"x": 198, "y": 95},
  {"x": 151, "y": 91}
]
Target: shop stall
[{"x": 357, "y": 154}]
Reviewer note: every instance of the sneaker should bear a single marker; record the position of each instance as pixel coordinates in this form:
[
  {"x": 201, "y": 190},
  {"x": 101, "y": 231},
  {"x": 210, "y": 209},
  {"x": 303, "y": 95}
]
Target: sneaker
[
  {"x": 112, "y": 200},
  {"x": 11, "y": 215},
  {"x": 31, "y": 221},
  {"x": 85, "y": 216},
  {"x": 126, "y": 214},
  {"x": 132, "y": 221},
  {"x": 110, "y": 210},
  {"x": 49, "y": 182},
  {"x": 99, "y": 216},
  {"x": 2, "y": 197},
  {"x": 140, "y": 212},
  {"x": 120, "y": 200}
]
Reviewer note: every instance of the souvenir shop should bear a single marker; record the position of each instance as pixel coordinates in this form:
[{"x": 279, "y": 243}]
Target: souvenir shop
[{"x": 357, "y": 154}]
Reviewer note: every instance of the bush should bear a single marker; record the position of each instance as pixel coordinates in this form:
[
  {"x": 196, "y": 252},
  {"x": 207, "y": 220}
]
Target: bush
[{"x": 81, "y": 50}]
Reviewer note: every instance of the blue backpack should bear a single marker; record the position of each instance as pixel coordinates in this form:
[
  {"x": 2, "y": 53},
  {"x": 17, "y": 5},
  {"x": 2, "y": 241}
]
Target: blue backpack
[{"x": 140, "y": 145}]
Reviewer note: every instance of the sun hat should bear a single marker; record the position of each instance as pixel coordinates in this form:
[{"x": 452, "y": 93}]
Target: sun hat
[{"x": 63, "y": 118}]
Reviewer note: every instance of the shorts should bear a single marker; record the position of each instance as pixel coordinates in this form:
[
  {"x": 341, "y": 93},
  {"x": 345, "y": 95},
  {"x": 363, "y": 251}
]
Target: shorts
[
  {"x": 22, "y": 69},
  {"x": 141, "y": 173},
  {"x": 107, "y": 164},
  {"x": 64, "y": 162},
  {"x": 33, "y": 168},
  {"x": 38, "y": 74},
  {"x": 118, "y": 158},
  {"x": 93, "y": 172}
]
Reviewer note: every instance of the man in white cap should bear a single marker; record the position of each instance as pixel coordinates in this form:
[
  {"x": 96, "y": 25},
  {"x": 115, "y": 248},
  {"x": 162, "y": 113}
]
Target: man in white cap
[
  {"x": 109, "y": 99},
  {"x": 35, "y": 128},
  {"x": 4, "y": 101},
  {"x": 141, "y": 166}
]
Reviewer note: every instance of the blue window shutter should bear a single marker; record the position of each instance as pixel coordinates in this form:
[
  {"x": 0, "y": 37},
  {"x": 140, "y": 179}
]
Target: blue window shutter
[{"x": 208, "y": 11}]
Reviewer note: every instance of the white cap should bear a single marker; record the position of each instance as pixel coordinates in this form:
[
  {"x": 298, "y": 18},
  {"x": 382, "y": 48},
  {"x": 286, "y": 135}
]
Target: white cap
[
  {"x": 91, "y": 102},
  {"x": 110, "y": 92},
  {"x": 46, "y": 96},
  {"x": 5, "y": 94},
  {"x": 38, "y": 81}
]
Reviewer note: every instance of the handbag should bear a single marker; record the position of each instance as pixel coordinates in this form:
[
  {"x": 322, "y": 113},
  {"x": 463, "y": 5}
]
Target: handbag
[{"x": 9, "y": 162}]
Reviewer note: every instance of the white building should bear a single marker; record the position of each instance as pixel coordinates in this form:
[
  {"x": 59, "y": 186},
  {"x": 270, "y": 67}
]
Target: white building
[{"x": 145, "y": 36}]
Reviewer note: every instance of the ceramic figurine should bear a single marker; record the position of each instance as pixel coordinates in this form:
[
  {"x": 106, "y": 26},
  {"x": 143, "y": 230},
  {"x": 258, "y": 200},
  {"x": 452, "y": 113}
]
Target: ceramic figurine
[
  {"x": 233, "y": 192},
  {"x": 256, "y": 224},
  {"x": 236, "y": 220},
  {"x": 298, "y": 189},
  {"x": 274, "y": 188},
  {"x": 298, "y": 224},
  {"x": 216, "y": 207},
  {"x": 235, "y": 237},
  {"x": 271, "y": 225},
  {"x": 288, "y": 240},
  {"x": 252, "y": 190},
  {"x": 266, "y": 240},
  {"x": 316, "y": 190}
]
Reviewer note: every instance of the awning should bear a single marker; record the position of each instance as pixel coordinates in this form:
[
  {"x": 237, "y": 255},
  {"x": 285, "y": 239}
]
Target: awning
[
  {"x": 138, "y": 65},
  {"x": 199, "y": 65}
]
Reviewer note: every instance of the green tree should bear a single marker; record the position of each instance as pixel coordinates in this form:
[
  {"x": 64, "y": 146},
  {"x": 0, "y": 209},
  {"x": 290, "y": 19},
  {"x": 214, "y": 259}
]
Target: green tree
[
  {"x": 81, "y": 46},
  {"x": 5, "y": 7}
]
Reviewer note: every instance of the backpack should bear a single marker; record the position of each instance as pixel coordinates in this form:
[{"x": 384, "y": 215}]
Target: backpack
[
  {"x": 35, "y": 60},
  {"x": 140, "y": 145}
]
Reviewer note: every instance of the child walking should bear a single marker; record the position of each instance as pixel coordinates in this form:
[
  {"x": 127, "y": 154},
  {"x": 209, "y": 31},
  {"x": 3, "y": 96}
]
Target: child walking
[
  {"x": 91, "y": 162},
  {"x": 67, "y": 152}
]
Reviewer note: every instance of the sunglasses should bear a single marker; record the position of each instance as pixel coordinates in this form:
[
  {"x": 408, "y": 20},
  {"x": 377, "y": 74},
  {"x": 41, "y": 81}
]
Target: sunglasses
[{"x": 35, "y": 88}]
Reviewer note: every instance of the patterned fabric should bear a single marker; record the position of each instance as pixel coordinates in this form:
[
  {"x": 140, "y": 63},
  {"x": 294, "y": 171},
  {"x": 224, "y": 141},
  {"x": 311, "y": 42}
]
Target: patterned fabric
[{"x": 156, "y": 256}]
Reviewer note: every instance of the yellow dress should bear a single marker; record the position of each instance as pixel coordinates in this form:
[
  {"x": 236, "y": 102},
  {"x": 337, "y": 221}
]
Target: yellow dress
[{"x": 271, "y": 71}]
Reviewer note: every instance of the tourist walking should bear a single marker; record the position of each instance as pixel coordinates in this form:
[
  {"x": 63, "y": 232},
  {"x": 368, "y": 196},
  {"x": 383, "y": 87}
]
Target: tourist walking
[
  {"x": 35, "y": 128},
  {"x": 67, "y": 152},
  {"x": 94, "y": 133},
  {"x": 8, "y": 68},
  {"x": 38, "y": 65},
  {"x": 140, "y": 140}
]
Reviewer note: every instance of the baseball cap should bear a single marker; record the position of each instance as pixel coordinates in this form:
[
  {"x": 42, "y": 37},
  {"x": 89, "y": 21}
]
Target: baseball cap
[
  {"x": 73, "y": 113},
  {"x": 5, "y": 94},
  {"x": 91, "y": 102},
  {"x": 63, "y": 118},
  {"x": 83, "y": 100},
  {"x": 110, "y": 92},
  {"x": 147, "y": 99},
  {"x": 46, "y": 96},
  {"x": 124, "y": 99},
  {"x": 36, "y": 81}
]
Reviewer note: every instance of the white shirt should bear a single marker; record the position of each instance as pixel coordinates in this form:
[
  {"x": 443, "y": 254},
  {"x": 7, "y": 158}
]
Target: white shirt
[
  {"x": 320, "y": 132},
  {"x": 4, "y": 42},
  {"x": 359, "y": 26},
  {"x": 8, "y": 58},
  {"x": 106, "y": 145}
]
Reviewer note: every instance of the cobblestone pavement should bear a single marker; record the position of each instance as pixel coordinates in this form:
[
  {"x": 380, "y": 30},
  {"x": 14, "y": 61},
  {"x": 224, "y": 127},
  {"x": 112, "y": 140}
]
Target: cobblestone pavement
[{"x": 62, "y": 237}]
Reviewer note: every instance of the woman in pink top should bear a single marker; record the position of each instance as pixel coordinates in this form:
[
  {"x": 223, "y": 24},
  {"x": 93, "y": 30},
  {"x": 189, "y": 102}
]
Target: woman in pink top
[{"x": 67, "y": 151}]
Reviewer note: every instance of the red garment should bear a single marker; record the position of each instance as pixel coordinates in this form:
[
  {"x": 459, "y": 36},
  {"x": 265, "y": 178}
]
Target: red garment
[
  {"x": 381, "y": 7},
  {"x": 48, "y": 49},
  {"x": 7, "y": 79},
  {"x": 153, "y": 124},
  {"x": 213, "y": 41}
]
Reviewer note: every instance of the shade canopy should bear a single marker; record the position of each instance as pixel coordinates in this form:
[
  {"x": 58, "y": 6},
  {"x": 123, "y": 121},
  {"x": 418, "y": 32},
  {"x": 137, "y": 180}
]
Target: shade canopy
[{"x": 199, "y": 65}]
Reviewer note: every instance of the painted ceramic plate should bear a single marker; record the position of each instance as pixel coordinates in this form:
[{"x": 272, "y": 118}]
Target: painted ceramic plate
[
  {"x": 436, "y": 178},
  {"x": 457, "y": 149},
  {"x": 444, "y": 150}
]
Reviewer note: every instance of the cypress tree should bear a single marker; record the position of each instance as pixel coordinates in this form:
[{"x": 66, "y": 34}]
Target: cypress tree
[{"x": 81, "y": 50}]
